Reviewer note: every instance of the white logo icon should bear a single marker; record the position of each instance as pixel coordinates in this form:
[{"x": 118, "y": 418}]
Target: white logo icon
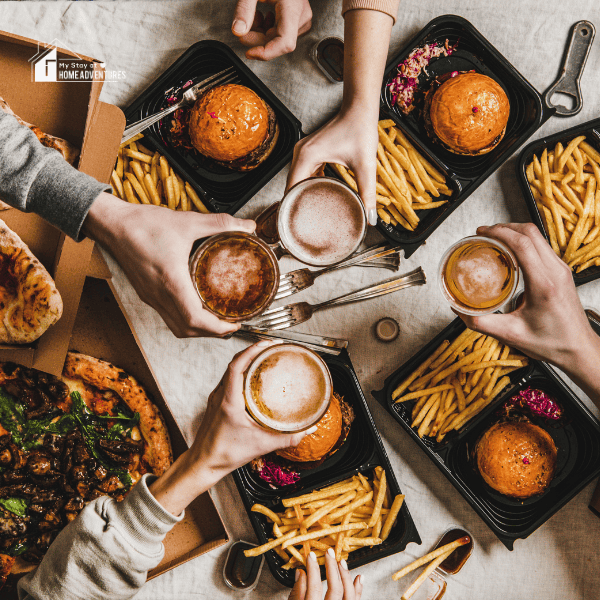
[{"x": 45, "y": 68}]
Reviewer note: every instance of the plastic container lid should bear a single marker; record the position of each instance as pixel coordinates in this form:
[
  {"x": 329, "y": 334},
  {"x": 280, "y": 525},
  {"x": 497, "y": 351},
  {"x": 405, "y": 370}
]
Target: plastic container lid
[{"x": 387, "y": 329}]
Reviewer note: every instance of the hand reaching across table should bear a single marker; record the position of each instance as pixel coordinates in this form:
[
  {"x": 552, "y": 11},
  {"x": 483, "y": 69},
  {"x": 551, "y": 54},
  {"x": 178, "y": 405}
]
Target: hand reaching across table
[
  {"x": 274, "y": 34},
  {"x": 550, "y": 323},
  {"x": 350, "y": 139},
  {"x": 340, "y": 584}
]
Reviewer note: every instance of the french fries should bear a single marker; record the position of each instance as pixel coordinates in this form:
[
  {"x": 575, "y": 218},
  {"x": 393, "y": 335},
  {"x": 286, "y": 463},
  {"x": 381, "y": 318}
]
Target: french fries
[
  {"x": 141, "y": 176},
  {"x": 457, "y": 382},
  {"x": 565, "y": 183},
  {"x": 406, "y": 181},
  {"x": 347, "y": 516}
]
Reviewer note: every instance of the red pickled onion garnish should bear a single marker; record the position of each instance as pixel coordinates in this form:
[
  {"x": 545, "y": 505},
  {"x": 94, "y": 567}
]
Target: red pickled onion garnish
[
  {"x": 212, "y": 115},
  {"x": 475, "y": 109},
  {"x": 454, "y": 74},
  {"x": 538, "y": 402},
  {"x": 525, "y": 461},
  {"x": 276, "y": 475}
]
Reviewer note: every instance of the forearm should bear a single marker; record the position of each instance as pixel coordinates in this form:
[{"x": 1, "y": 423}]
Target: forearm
[
  {"x": 366, "y": 42},
  {"x": 37, "y": 179},
  {"x": 583, "y": 367}
]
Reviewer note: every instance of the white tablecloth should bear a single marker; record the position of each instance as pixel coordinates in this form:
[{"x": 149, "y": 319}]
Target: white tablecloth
[{"x": 561, "y": 559}]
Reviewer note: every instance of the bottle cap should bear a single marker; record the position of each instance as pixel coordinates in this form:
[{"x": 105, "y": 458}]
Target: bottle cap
[{"x": 387, "y": 329}]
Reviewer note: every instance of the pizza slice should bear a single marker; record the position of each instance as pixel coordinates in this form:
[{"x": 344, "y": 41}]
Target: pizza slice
[
  {"x": 65, "y": 442},
  {"x": 29, "y": 300},
  {"x": 68, "y": 151}
]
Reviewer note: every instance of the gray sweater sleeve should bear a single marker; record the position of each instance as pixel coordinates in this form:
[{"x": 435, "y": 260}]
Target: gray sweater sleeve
[
  {"x": 38, "y": 179},
  {"x": 105, "y": 552}
]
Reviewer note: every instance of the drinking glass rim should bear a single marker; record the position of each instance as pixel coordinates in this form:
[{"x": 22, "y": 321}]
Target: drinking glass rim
[
  {"x": 193, "y": 265},
  {"x": 448, "y": 296},
  {"x": 335, "y": 181},
  {"x": 279, "y": 347}
]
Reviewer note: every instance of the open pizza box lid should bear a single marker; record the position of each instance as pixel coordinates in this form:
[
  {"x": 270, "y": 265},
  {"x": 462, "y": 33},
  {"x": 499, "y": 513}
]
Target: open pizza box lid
[
  {"x": 102, "y": 329},
  {"x": 70, "y": 110}
]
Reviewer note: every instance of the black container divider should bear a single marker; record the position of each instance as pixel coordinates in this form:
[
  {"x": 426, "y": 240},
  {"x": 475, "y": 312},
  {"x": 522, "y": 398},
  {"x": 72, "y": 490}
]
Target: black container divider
[
  {"x": 220, "y": 188},
  {"x": 591, "y": 130},
  {"x": 360, "y": 453},
  {"x": 576, "y": 435},
  {"x": 464, "y": 173}
]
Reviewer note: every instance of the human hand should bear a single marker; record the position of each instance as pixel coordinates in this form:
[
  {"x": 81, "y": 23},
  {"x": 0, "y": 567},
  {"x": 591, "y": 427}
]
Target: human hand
[
  {"x": 339, "y": 581},
  {"x": 349, "y": 139},
  {"x": 275, "y": 34},
  {"x": 153, "y": 247},
  {"x": 550, "y": 323}
]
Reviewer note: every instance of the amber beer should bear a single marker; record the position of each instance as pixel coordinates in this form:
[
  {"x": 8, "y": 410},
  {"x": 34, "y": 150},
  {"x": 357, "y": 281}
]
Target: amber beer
[
  {"x": 321, "y": 221},
  {"x": 478, "y": 275},
  {"x": 287, "y": 388},
  {"x": 236, "y": 275}
]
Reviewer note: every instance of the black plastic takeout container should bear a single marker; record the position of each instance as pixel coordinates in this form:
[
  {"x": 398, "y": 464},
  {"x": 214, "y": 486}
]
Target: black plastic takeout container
[
  {"x": 464, "y": 173},
  {"x": 576, "y": 435},
  {"x": 221, "y": 189},
  {"x": 591, "y": 130},
  {"x": 360, "y": 453}
]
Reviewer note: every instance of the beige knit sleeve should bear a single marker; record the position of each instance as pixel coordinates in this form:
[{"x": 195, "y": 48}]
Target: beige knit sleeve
[{"x": 389, "y": 7}]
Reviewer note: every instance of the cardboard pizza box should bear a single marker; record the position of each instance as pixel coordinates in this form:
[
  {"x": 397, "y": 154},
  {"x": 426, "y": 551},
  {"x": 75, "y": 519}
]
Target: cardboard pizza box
[{"x": 71, "y": 110}]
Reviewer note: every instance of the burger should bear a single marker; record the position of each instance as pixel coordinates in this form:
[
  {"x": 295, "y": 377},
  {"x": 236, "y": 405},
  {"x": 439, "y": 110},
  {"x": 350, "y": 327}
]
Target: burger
[
  {"x": 332, "y": 431},
  {"x": 516, "y": 458},
  {"x": 281, "y": 467},
  {"x": 466, "y": 112},
  {"x": 234, "y": 126}
]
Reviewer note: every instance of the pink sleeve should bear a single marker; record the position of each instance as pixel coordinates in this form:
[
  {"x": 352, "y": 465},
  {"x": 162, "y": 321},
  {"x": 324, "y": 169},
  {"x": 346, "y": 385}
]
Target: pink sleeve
[{"x": 389, "y": 7}]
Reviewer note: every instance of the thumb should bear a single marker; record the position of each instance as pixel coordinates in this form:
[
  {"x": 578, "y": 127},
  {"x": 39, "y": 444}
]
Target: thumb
[
  {"x": 365, "y": 178},
  {"x": 295, "y": 439},
  {"x": 502, "y": 327},
  {"x": 218, "y": 222},
  {"x": 243, "y": 17},
  {"x": 299, "y": 589},
  {"x": 303, "y": 165}
]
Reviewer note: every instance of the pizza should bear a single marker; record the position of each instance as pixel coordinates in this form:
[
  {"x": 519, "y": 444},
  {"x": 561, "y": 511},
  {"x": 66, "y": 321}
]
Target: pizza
[
  {"x": 29, "y": 300},
  {"x": 68, "y": 151},
  {"x": 67, "y": 441}
]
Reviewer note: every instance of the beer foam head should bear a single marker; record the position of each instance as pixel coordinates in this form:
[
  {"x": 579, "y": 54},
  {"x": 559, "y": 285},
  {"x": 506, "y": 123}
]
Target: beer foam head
[
  {"x": 321, "y": 221},
  {"x": 288, "y": 388}
]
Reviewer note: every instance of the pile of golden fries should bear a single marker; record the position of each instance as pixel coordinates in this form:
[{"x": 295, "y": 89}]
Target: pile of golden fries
[
  {"x": 565, "y": 184},
  {"x": 457, "y": 382},
  {"x": 145, "y": 177},
  {"x": 346, "y": 516},
  {"x": 406, "y": 181},
  {"x": 435, "y": 559}
]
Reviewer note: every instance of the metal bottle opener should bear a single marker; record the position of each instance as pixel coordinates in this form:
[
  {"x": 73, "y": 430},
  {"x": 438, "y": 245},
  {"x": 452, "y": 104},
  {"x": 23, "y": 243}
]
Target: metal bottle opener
[{"x": 580, "y": 43}]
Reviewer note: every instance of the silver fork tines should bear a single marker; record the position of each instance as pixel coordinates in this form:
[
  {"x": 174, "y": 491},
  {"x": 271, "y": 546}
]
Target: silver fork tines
[
  {"x": 381, "y": 255},
  {"x": 294, "y": 314},
  {"x": 190, "y": 95}
]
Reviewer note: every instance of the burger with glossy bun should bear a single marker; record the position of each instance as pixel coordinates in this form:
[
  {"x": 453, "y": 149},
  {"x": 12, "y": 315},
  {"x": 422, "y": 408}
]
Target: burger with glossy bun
[
  {"x": 466, "y": 112},
  {"x": 516, "y": 458},
  {"x": 234, "y": 126},
  {"x": 332, "y": 431}
]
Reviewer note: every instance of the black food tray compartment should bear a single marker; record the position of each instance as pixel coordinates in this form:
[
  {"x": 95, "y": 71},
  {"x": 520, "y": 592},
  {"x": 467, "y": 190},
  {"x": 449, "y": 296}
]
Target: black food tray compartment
[
  {"x": 465, "y": 173},
  {"x": 361, "y": 453},
  {"x": 220, "y": 188},
  {"x": 576, "y": 435},
  {"x": 591, "y": 130}
]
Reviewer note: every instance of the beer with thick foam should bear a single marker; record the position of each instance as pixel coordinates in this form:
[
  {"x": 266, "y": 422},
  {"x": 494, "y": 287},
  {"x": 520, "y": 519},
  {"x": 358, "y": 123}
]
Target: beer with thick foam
[
  {"x": 236, "y": 275},
  {"x": 321, "y": 221},
  {"x": 287, "y": 388},
  {"x": 478, "y": 275}
]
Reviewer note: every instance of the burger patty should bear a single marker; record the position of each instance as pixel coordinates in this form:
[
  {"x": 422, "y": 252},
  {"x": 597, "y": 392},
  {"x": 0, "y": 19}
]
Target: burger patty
[{"x": 258, "y": 155}]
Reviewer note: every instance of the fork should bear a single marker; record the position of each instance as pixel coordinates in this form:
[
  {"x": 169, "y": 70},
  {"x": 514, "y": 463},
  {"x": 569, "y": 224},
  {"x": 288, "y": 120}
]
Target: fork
[
  {"x": 294, "y": 314},
  {"x": 190, "y": 95},
  {"x": 299, "y": 280}
]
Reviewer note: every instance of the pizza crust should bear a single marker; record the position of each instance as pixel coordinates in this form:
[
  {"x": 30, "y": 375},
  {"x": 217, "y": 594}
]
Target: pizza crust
[
  {"x": 69, "y": 152},
  {"x": 29, "y": 300},
  {"x": 104, "y": 376}
]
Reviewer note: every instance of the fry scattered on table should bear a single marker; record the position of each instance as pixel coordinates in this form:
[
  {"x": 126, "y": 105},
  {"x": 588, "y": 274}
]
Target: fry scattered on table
[
  {"x": 457, "y": 382},
  {"x": 141, "y": 176},
  {"x": 346, "y": 517},
  {"x": 406, "y": 181},
  {"x": 565, "y": 184}
]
